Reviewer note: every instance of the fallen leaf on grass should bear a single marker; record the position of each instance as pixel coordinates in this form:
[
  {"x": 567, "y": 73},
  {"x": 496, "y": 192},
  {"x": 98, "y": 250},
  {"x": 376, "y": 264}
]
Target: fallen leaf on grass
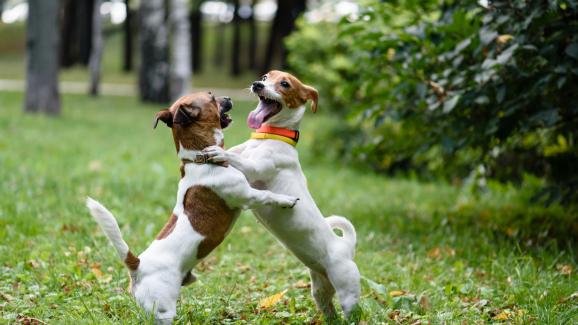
[
  {"x": 302, "y": 284},
  {"x": 502, "y": 316},
  {"x": 440, "y": 252},
  {"x": 424, "y": 302},
  {"x": 95, "y": 268},
  {"x": 397, "y": 293},
  {"x": 95, "y": 166},
  {"x": 245, "y": 230},
  {"x": 6, "y": 296},
  {"x": 28, "y": 320},
  {"x": 69, "y": 228},
  {"x": 34, "y": 264},
  {"x": 565, "y": 269},
  {"x": 271, "y": 300},
  {"x": 571, "y": 297}
]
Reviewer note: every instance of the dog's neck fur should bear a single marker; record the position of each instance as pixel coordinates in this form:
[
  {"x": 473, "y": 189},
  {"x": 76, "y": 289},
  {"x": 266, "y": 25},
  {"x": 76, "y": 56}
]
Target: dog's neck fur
[
  {"x": 190, "y": 151},
  {"x": 287, "y": 118}
]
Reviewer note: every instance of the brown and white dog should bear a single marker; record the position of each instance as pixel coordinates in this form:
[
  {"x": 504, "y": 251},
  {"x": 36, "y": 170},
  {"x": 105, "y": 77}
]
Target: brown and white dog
[
  {"x": 269, "y": 161},
  {"x": 209, "y": 199}
]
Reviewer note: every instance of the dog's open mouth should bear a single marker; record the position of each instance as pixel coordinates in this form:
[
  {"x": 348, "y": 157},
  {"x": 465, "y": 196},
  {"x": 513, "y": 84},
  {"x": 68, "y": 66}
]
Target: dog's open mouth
[
  {"x": 225, "y": 120},
  {"x": 224, "y": 108},
  {"x": 266, "y": 108}
]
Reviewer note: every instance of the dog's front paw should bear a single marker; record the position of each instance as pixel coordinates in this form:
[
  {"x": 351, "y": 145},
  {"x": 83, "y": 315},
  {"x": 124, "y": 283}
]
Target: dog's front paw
[
  {"x": 216, "y": 155},
  {"x": 287, "y": 201}
]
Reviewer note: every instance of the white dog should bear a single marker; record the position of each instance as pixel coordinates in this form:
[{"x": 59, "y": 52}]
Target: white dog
[
  {"x": 269, "y": 161},
  {"x": 209, "y": 199}
]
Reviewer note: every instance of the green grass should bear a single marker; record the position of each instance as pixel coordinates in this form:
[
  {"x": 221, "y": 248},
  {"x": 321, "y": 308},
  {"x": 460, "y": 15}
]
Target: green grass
[{"x": 457, "y": 257}]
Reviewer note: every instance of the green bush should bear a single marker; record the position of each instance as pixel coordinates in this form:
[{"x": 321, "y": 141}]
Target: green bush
[{"x": 453, "y": 89}]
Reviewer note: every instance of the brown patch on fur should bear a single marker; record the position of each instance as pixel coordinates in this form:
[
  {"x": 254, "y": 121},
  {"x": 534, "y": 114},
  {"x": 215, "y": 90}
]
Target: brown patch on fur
[
  {"x": 131, "y": 261},
  {"x": 168, "y": 228},
  {"x": 297, "y": 94},
  {"x": 209, "y": 215}
]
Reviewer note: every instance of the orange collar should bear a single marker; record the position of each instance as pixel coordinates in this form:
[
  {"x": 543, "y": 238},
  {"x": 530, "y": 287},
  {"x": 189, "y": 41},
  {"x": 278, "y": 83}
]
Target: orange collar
[{"x": 290, "y": 134}]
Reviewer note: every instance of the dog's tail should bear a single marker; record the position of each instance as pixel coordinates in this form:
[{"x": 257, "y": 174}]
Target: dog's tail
[
  {"x": 346, "y": 227},
  {"x": 108, "y": 224}
]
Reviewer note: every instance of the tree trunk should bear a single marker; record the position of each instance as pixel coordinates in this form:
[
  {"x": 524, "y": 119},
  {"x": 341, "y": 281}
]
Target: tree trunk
[
  {"x": 219, "y": 51},
  {"x": 235, "y": 49},
  {"x": 253, "y": 39},
  {"x": 195, "y": 19},
  {"x": 42, "y": 57},
  {"x": 181, "y": 63},
  {"x": 97, "y": 47},
  {"x": 76, "y": 32},
  {"x": 154, "y": 52},
  {"x": 283, "y": 25},
  {"x": 128, "y": 29}
]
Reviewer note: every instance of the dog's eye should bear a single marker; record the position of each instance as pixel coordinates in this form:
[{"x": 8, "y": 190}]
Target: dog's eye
[
  {"x": 285, "y": 84},
  {"x": 264, "y": 78}
]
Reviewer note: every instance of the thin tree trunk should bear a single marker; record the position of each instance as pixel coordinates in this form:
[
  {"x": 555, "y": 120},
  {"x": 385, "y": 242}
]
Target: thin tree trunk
[
  {"x": 67, "y": 30},
  {"x": 253, "y": 39},
  {"x": 181, "y": 63},
  {"x": 97, "y": 47},
  {"x": 235, "y": 49},
  {"x": 154, "y": 52},
  {"x": 219, "y": 51},
  {"x": 42, "y": 57},
  {"x": 195, "y": 19},
  {"x": 127, "y": 63},
  {"x": 84, "y": 35}
]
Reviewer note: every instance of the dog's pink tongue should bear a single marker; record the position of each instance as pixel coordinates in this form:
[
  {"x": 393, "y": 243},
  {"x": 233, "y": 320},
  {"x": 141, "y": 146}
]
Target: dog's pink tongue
[{"x": 257, "y": 116}]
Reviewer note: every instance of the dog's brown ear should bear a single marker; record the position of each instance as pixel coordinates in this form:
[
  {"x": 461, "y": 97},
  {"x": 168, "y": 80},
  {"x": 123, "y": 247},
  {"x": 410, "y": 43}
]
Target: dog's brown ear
[
  {"x": 164, "y": 115},
  {"x": 186, "y": 115},
  {"x": 311, "y": 93}
]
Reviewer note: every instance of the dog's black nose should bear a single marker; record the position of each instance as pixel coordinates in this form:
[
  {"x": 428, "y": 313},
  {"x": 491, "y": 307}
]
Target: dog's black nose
[{"x": 257, "y": 85}]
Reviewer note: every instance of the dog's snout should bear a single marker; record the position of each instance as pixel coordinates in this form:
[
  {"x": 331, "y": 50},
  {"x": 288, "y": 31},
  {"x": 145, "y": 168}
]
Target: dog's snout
[
  {"x": 257, "y": 85},
  {"x": 226, "y": 103}
]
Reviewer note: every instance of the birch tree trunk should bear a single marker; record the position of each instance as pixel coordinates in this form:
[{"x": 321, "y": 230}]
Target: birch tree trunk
[
  {"x": 42, "y": 57},
  {"x": 154, "y": 52},
  {"x": 181, "y": 58},
  {"x": 96, "y": 52}
]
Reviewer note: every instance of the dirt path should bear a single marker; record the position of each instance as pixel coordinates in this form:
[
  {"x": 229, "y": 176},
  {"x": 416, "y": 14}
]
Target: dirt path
[{"x": 108, "y": 89}]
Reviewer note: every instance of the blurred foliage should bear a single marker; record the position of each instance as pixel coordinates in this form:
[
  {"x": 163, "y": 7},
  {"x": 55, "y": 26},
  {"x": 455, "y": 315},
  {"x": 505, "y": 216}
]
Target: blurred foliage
[{"x": 452, "y": 88}]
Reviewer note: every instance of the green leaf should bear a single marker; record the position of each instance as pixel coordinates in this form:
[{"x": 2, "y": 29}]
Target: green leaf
[
  {"x": 450, "y": 104},
  {"x": 379, "y": 288},
  {"x": 572, "y": 50}
]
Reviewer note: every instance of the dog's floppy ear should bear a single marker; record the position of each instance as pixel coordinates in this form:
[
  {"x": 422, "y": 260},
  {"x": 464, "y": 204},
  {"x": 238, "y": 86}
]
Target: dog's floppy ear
[
  {"x": 164, "y": 115},
  {"x": 186, "y": 114},
  {"x": 311, "y": 93}
]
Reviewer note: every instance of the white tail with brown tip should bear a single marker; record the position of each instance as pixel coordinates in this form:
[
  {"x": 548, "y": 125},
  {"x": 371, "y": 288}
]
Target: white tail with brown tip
[{"x": 109, "y": 226}]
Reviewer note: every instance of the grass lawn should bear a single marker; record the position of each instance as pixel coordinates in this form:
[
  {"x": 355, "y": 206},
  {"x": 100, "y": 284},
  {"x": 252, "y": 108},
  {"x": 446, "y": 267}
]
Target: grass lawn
[{"x": 431, "y": 251}]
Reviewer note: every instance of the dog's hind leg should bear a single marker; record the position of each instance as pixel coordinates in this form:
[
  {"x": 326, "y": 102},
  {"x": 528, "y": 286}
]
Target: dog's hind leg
[
  {"x": 345, "y": 278},
  {"x": 323, "y": 292}
]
